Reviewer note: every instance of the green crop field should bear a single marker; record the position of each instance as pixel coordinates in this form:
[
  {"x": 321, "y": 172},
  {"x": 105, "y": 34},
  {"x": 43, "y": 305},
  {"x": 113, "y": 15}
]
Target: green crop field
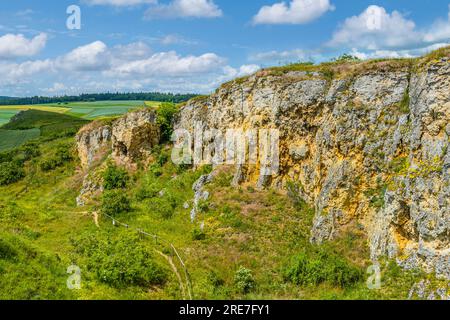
[
  {"x": 10, "y": 139},
  {"x": 85, "y": 110}
]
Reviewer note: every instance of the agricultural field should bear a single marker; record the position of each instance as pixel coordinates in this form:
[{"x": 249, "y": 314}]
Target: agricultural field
[
  {"x": 85, "y": 110},
  {"x": 10, "y": 139},
  {"x": 33, "y": 124}
]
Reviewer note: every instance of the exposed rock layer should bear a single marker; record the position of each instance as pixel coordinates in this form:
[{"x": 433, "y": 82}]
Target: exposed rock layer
[
  {"x": 129, "y": 139},
  {"x": 370, "y": 148}
]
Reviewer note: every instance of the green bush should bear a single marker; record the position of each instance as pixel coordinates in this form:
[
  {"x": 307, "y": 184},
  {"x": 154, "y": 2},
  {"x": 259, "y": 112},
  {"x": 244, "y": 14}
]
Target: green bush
[
  {"x": 198, "y": 235},
  {"x": 7, "y": 252},
  {"x": 115, "y": 202},
  {"x": 162, "y": 159},
  {"x": 6, "y": 156},
  {"x": 62, "y": 155},
  {"x": 120, "y": 262},
  {"x": 166, "y": 113},
  {"x": 163, "y": 207},
  {"x": 50, "y": 164},
  {"x": 313, "y": 267},
  {"x": 156, "y": 170},
  {"x": 243, "y": 280},
  {"x": 215, "y": 280},
  {"x": 10, "y": 172},
  {"x": 147, "y": 192},
  {"x": 115, "y": 178}
]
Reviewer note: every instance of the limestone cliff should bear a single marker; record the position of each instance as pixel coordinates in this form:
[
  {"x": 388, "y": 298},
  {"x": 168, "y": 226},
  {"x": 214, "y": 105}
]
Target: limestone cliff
[
  {"x": 125, "y": 141},
  {"x": 128, "y": 139},
  {"x": 367, "y": 144}
]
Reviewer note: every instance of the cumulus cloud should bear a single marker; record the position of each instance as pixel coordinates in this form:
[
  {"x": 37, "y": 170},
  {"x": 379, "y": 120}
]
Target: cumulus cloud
[
  {"x": 170, "y": 64},
  {"x": 296, "y": 12},
  {"x": 185, "y": 9},
  {"x": 17, "y": 45},
  {"x": 119, "y": 3},
  {"x": 96, "y": 67},
  {"x": 281, "y": 56},
  {"x": 13, "y": 73},
  {"x": 376, "y": 29},
  {"x": 132, "y": 51},
  {"x": 92, "y": 57},
  {"x": 394, "y": 54},
  {"x": 439, "y": 31}
]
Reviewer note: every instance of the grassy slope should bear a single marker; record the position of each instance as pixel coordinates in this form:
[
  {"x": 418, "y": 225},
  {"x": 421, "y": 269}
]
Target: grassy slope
[
  {"x": 260, "y": 230},
  {"x": 10, "y": 139}
]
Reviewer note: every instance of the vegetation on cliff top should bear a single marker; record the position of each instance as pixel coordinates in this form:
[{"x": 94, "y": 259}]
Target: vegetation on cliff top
[{"x": 349, "y": 66}]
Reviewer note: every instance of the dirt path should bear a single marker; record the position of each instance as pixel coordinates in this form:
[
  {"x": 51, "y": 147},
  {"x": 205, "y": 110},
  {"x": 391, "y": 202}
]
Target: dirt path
[{"x": 175, "y": 270}]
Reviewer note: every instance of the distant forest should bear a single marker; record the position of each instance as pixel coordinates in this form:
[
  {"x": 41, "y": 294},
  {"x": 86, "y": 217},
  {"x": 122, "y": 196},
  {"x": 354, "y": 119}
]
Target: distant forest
[{"x": 144, "y": 96}]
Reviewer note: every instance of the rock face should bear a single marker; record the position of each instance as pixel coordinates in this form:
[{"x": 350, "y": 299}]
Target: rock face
[
  {"x": 368, "y": 147},
  {"x": 91, "y": 140},
  {"x": 134, "y": 135},
  {"x": 129, "y": 139}
]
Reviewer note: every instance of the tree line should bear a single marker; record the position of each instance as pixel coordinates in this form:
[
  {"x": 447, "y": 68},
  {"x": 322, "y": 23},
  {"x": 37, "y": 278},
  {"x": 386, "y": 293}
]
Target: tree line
[{"x": 144, "y": 96}]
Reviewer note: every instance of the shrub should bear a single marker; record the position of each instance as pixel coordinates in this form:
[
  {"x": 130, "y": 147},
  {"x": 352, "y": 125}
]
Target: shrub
[
  {"x": 10, "y": 172},
  {"x": 115, "y": 178},
  {"x": 7, "y": 252},
  {"x": 28, "y": 151},
  {"x": 162, "y": 159},
  {"x": 115, "y": 202},
  {"x": 147, "y": 192},
  {"x": 62, "y": 155},
  {"x": 322, "y": 266},
  {"x": 198, "y": 234},
  {"x": 243, "y": 280},
  {"x": 156, "y": 170},
  {"x": 215, "y": 280},
  {"x": 166, "y": 113},
  {"x": 121, "y": 262},
  {"x": 164, "y": 207},
  {"x": 203, "y": 206},
  {"x": 346, "y": 58},
  {"x": 50, "y": 164}
]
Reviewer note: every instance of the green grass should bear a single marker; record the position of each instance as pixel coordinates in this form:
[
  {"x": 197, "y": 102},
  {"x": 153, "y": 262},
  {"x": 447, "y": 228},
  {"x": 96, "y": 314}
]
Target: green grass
[
  {"x": 253, "y": 244},
  {"x": 10, "y": 139}
]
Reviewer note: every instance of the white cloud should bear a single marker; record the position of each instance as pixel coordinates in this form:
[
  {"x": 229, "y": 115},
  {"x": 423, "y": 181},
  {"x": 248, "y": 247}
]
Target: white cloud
[
  {"x": 170, "y": 64},
  {"x": 296, "y": 12},
  {"x": 132, "y": 51},
  {"x": 185, "y": 9},
  {"x": 248, "y": 69},
  {"x": 173, "y": 39},
  {"x": 394, "y": 54},
  {"x": 439, "y": 31},
  {"x": 119, "y": 3},
  {"x": 16, "y": 45},
  {"x": 13, "y": 73},
  {"x": 96, "y": 67},
  {"x": 92, "y": 57},
  {"x": 375, "y": 29},
  {"x": 281, "y": 56}
]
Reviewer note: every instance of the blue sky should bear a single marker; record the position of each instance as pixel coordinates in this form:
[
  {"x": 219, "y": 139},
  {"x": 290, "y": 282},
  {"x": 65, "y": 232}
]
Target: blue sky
[{"x": 194, "y": 45}]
